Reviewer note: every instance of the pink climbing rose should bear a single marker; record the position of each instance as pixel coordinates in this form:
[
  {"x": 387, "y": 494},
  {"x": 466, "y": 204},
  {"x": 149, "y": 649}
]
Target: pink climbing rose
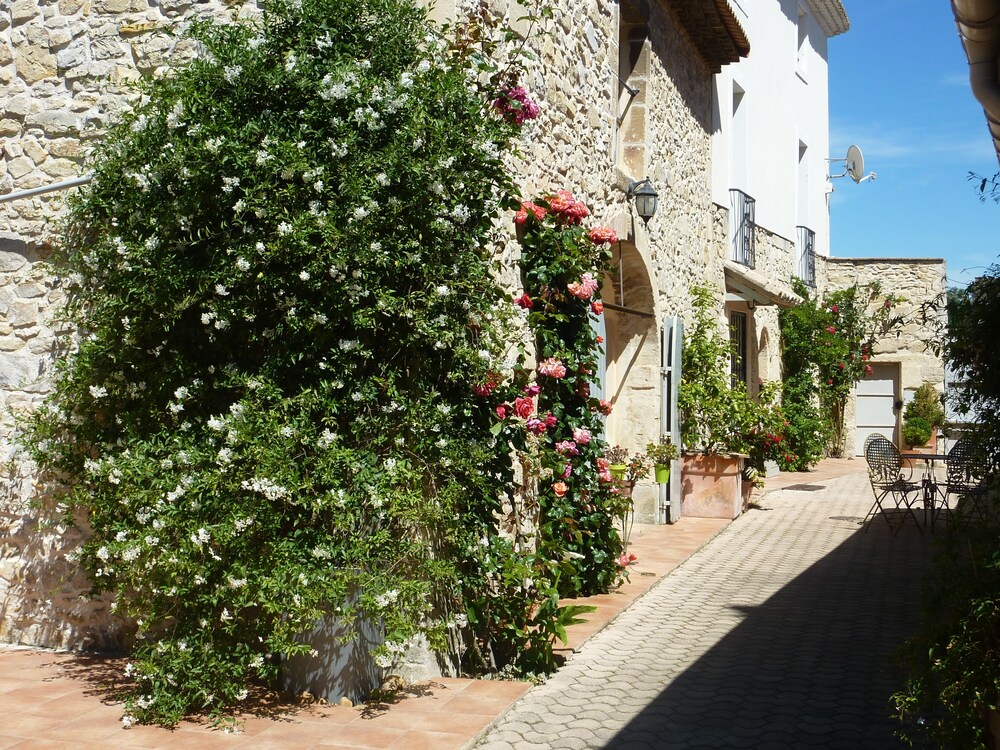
[
  {"x": 552, "y": 368},
  {"x": 584, "y": 288},
  {"x": 600, "y": 235}
]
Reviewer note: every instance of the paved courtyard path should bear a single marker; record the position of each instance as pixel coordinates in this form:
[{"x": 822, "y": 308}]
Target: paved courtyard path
[{"x": 779, "y": 633}]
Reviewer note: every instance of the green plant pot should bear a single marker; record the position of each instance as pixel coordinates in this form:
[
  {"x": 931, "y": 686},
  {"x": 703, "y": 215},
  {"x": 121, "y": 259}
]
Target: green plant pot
[
  {"x": 662, "y": 473},
  {"x": 618, "y": 470}
]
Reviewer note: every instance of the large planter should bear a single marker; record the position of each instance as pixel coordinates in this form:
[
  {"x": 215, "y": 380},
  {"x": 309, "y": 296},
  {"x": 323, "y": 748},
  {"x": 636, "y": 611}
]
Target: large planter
[
  {"x": 336, "y": 670},
  {"x": 712, "y": 485}
]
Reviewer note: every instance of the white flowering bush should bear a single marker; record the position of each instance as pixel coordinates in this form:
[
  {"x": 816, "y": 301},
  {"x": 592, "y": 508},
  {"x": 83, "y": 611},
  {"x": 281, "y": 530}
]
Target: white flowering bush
[{"x": 285, "y": 308}]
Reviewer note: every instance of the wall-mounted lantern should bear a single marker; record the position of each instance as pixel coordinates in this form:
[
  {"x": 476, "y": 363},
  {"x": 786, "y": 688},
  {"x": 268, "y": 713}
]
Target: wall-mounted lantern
[{"x": 646, "y": 198}]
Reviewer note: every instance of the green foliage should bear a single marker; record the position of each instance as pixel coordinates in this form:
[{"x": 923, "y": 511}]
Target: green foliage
[
  {"x": 829, "y": 343},
  {"x": 925, "y": 405},
  {"x": 954, "y": 659},
  {"x": 562, "y": 265},
  {"x": 916, "y": 432},
  {"x": 662, "y": 453},
  {"x": 718, "y": 414},
  {"x": 285, "y": 315},
  {"x": 807, "y": 430}
]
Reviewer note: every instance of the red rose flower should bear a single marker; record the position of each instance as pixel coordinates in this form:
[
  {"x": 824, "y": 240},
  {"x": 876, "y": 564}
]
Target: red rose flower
[
  {"x": 524, "y": 301},
  {"x": 524, "y": 407},
  {"x": 597, "y": 307}
]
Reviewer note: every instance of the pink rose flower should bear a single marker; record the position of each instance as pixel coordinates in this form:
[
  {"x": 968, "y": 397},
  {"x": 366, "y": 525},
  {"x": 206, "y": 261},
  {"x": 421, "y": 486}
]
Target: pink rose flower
[
  {"x": 567, "y": 448},
  {"x": 600, "y": 235},
  {"x": 535, "y": 426},
  {"x": 585, "y": 288},
  {"x": 532, "y": 390},
  {"x": 568, "y": 210},
  {"x": 834, "y": 309},
  {"x": 552, "y": 368},
  {"x": 567, "y": 470},
  {"x": 550, "y": 420},
  {"x": 502, "y": 411},
  {"x": 597, "y": 307},
  {"x": 581, "y": 435},
  {"x": 604, "y": 470},
  {"x": 515, "y": 106},
  {"x": 831, "y": 329},
  {"x": 560, "y": 488}
]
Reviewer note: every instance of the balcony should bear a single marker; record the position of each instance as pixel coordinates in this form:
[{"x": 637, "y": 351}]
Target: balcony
[
  {"x": 741, "y": 227},
  {"x": 806, "y": 246}
]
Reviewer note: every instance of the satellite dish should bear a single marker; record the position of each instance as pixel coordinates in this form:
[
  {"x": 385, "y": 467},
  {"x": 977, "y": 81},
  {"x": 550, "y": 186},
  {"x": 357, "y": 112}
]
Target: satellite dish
[{"x": 855, "y": 163}]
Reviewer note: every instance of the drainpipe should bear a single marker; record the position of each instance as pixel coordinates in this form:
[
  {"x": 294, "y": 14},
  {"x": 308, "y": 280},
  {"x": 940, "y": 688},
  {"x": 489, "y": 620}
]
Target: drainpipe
[
  {"x": 65, "y": 184},
  {"x": 979, "y": 29}
]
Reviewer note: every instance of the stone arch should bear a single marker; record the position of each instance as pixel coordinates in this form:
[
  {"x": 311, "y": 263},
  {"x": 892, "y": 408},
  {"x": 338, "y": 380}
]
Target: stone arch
[{"x": 632, "y": 362}]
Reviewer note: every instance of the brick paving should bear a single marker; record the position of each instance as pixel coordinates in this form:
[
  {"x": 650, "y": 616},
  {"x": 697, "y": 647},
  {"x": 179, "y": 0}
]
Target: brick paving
[
  {"x": 778, "y": 633},
  {"x": 60, "y": 701}
]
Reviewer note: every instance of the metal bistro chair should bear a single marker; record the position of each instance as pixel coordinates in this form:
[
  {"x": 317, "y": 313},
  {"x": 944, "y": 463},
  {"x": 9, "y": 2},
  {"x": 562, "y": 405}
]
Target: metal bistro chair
[
  {"x": 886, "y": 475},
  {"x": 966, "y": 466}
]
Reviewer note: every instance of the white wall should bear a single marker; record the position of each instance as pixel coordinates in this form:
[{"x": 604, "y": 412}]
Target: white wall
[{"x": 786, "y": 103}]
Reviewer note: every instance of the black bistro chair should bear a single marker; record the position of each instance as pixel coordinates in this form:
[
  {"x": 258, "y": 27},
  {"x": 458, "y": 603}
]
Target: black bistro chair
[
  {"x": 895, "y": 495},
  {"x": 967, "y": 471}
]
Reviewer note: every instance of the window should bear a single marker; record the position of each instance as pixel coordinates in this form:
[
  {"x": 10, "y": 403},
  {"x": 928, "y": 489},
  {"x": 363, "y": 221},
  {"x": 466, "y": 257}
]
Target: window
[
  {"x": 738, "y": 335},
  {"x": 633, "y": 81}
]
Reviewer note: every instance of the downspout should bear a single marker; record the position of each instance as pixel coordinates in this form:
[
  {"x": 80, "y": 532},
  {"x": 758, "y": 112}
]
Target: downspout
[{"x": 979, "y": 28}]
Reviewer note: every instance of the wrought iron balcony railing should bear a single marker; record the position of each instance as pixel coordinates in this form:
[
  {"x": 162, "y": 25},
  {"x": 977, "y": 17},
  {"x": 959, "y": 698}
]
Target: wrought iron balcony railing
[
  {"x": 741, "y": 227},
  {"x": 806, "y": 246}
]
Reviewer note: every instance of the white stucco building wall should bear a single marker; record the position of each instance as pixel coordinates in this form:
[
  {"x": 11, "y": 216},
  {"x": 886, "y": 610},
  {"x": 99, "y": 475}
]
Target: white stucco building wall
[{"x": 771, "y": 116}]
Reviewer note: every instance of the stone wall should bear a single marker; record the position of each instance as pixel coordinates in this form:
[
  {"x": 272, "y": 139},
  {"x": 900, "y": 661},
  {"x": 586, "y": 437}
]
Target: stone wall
[
  {"x": 65, "y": 66},
  {"x": 921, "y": 282}
]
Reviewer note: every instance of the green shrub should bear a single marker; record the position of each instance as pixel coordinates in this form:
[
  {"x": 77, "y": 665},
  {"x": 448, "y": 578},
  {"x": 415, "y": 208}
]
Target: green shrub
[
  {"x": 954, "y": 658},
  {"x": 287, "y": 311},
  {"x": 916, "y": 432}
]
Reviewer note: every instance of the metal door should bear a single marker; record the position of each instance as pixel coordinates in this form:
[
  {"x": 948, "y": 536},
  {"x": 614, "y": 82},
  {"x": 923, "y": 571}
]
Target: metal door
[
  {"x": 671, "y": 345},
  {"x": 877, "y": 394}
]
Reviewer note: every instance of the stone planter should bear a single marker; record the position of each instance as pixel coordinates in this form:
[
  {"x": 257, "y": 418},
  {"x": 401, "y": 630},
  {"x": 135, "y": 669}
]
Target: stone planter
[
  {"x": 712, "y": 485},
  {"x": 338, "y": 670}
]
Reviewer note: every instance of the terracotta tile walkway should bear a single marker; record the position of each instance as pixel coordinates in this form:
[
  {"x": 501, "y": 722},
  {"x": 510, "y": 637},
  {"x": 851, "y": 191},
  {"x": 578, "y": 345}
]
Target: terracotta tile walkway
[{"x": 60, "y": 700}]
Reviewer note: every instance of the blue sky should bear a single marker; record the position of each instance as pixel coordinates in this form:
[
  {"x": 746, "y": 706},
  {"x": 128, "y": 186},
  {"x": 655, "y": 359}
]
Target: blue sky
[{"x": 899, "y": 89}]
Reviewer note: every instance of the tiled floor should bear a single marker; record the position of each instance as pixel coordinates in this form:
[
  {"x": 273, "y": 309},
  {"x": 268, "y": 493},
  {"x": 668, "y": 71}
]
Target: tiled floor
[{"x": 61, "y": 701}]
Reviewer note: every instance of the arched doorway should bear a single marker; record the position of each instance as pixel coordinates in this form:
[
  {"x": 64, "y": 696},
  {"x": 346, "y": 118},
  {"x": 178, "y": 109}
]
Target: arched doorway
[{"x": 632, "y": 364}]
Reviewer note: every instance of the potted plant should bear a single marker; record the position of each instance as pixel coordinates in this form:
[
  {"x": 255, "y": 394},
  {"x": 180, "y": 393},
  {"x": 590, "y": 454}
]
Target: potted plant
[
  {"x": 617, "y": 461},
  {"x": 922, "y": 417},
  {"x": 724, "y": 428},
  {"x": 661, "y": 454}
]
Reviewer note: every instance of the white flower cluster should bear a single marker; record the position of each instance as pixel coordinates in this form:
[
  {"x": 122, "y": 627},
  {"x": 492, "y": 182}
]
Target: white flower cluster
[
  {"x": 269, "y": 489},
  {"x": 384, "y": 600}
]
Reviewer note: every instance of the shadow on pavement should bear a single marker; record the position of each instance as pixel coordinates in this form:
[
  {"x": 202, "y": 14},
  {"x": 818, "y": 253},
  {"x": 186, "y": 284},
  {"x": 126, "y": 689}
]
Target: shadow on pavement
[{"x": 812, "y": 667}]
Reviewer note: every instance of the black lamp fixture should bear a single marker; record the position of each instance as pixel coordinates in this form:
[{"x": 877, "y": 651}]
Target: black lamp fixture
[{"x": 646, "y": 198}]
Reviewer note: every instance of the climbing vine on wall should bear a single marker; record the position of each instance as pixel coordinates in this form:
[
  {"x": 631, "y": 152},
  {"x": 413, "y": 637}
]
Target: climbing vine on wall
[
  {"x": 562, "y": 264},
  {"x": 287, "y": 311}
]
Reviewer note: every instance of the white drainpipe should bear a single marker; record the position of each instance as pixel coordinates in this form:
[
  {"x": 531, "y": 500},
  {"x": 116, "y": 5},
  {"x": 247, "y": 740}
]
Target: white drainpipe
[
  {"x": 979, "y": 28},
  {"x": 65, "y": 184}
]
